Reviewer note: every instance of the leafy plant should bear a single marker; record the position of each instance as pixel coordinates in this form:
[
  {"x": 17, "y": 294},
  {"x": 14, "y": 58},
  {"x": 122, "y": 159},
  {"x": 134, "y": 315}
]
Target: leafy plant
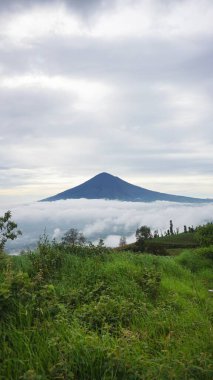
[
  {"x": 204, "y": 234},
  {"x": 8, "y": 229},
  {"x": 47, "y": 260}
]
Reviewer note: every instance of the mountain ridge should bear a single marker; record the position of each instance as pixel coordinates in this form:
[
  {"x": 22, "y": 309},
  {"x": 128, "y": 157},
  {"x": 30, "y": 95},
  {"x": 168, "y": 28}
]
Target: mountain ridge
[{"x": 109, "y": 187}]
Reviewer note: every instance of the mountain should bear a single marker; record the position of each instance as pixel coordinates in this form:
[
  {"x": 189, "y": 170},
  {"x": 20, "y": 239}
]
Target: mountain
[{"x": 107, "y": 186}]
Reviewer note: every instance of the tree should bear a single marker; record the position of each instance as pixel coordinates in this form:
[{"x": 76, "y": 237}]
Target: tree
[
  {"x": 171, "y": 227},
  {"x": 8, "y": 229},
  {"x": 122, "y": 241},
  {"x": 191, "y": 229},
  {"x": 73, "y": 237},
  {"x": 100, "y": 243},
  {"x": 81, "y": 239},
  {"x": 143, "y": 233},
  {"x": 156, "y": 234}
]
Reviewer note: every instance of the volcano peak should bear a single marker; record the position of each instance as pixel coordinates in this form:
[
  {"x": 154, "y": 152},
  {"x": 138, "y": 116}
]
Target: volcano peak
[{"x": 107, "y": 186}]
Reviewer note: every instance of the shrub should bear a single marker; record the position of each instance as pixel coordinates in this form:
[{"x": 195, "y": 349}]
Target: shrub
[
  {"x": 204, "y": 234},
  {"x": 206, "y": 252},
  {"x": 15, "y": 287},
  {"x": 195, "y": 260},
  {"x": 47, "y": 261},
  {"x": 149, "y": 281},
  {"x": 108, "y": 314},
  {"x": 156, "y": 249}
]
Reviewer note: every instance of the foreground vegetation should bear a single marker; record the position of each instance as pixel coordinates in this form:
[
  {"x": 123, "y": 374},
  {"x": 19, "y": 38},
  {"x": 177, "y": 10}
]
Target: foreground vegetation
[{"x": 92, "y": 313}]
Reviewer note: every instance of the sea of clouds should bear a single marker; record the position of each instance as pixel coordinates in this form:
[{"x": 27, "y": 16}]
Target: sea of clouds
[{"x": 100, "y": 219}]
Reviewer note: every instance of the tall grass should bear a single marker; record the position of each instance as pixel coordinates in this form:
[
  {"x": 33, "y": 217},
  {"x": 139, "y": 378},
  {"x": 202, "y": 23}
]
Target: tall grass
[{"x": 88, "y": 314}]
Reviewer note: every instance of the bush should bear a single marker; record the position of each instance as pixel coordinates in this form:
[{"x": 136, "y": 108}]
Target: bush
[
  {"x": 206, "y": 252},
  {"x": 195, "y": 260},
  {"x": 149, "y": 281},
  {"x": 156, "y": 249},
  {"x": 47, "y": 261},
  {"x": 110, "y": 314},
  {"x": 204, "y": 235},
  {"x": 16, "y": 287}
]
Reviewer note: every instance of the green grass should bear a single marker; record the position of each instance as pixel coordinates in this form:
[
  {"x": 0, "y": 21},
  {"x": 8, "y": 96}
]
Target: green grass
[
  {"x": 171, "y": 244},
  {"x": 181, "y": 240},
  {"x": 97, "y": 314}
]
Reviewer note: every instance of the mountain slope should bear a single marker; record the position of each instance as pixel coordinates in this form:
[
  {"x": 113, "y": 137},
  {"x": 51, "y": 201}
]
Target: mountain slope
[{"x": 107, "y": 186}]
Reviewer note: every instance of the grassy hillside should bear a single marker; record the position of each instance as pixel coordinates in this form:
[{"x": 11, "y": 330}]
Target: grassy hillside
[
  {"x": 179, "y": 241},
  {"x": 88, "y": 313}
]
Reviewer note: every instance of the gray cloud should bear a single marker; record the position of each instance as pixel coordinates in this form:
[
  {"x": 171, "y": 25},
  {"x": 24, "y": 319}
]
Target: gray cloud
[
  {"x": 132, "y": 98},
  {"x": 82, "y": 7}
]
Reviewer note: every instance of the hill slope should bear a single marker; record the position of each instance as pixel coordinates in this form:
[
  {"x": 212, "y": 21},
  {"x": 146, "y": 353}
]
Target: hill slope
[
  {"x": 88, "y": 313},
  {"x": 107, "y": 186}
]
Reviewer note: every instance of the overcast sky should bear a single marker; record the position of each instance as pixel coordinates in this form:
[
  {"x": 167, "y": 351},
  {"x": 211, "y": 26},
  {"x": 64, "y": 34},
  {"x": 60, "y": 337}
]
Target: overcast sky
[{"x": 118, "y": 86}]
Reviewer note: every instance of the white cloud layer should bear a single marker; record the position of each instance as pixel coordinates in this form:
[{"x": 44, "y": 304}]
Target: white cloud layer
[{"x": 101, "y": 219}]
